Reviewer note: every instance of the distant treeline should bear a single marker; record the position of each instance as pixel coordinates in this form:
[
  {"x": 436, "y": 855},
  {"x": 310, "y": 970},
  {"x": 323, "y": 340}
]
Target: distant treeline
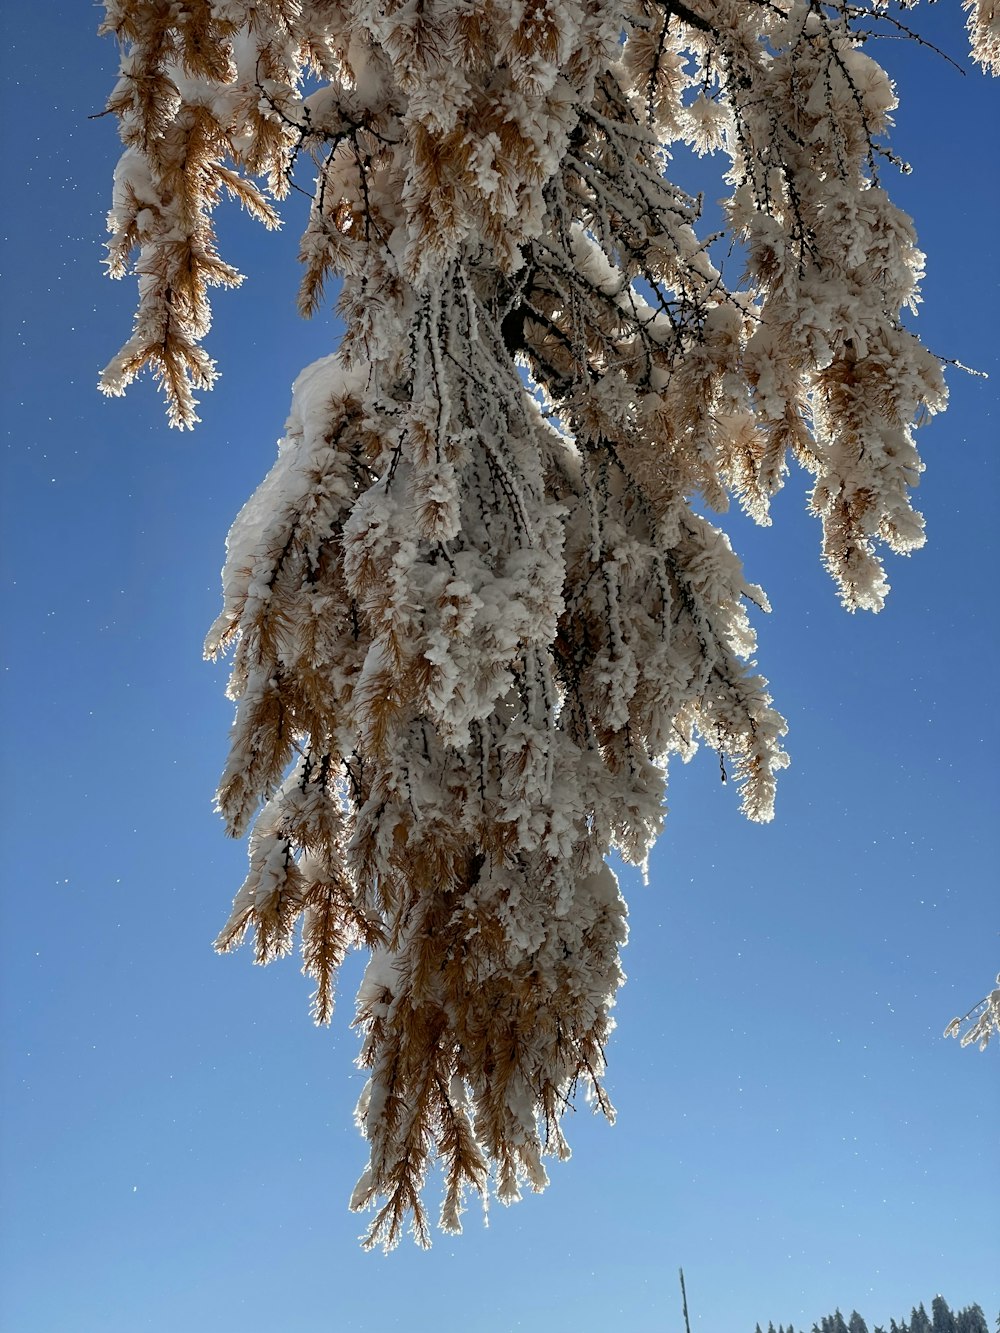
[{"x": 940, "y": 1320}]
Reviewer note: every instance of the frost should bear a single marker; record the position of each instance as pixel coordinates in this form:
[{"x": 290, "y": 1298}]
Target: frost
[{"x": 475, "y": 607}]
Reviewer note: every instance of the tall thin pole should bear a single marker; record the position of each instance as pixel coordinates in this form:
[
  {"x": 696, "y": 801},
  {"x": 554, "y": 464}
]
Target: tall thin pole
[{"x": 684, "y": 1301}]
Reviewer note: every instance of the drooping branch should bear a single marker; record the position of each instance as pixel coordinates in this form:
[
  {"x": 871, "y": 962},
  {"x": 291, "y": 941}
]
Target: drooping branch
[
  {"x": 983, "y": 1020},
  {"x": 476, "y": 606}
]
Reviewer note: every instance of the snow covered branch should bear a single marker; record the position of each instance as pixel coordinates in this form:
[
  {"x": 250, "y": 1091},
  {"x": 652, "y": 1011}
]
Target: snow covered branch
[{"x": 476, "y": 605}]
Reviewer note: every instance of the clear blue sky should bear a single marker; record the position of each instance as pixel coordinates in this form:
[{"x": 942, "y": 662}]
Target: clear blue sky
[{"x": 177, "y": 1139}]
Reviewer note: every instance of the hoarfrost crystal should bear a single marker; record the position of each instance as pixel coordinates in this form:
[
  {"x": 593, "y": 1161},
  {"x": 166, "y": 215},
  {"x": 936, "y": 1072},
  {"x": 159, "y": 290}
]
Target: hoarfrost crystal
[{"x": 476, "y": 605}]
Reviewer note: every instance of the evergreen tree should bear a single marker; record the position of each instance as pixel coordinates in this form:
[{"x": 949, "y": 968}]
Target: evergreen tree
[
  {"x": 919, "y": 1322},
  {"x": 942, "y": 1319},
  {"x": 968, "y": 1320},
  {"x": 476, "y": 606},
  {"x": 971, "y": 1320}
]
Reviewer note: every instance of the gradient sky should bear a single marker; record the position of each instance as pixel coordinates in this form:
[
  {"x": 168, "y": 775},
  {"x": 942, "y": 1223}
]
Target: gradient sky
[{"x": 177, "y": 1146}]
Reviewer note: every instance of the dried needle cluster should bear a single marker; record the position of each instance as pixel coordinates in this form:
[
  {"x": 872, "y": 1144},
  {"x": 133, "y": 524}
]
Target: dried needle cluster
[{"x": 474, "y": 608}]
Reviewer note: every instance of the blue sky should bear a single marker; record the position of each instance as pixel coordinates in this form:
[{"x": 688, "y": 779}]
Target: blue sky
[{"x": 177, "y": 1146}]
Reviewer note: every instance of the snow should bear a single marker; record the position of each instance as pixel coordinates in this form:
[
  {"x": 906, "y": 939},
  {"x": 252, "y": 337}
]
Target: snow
[{"x": 467, "y": 640}]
